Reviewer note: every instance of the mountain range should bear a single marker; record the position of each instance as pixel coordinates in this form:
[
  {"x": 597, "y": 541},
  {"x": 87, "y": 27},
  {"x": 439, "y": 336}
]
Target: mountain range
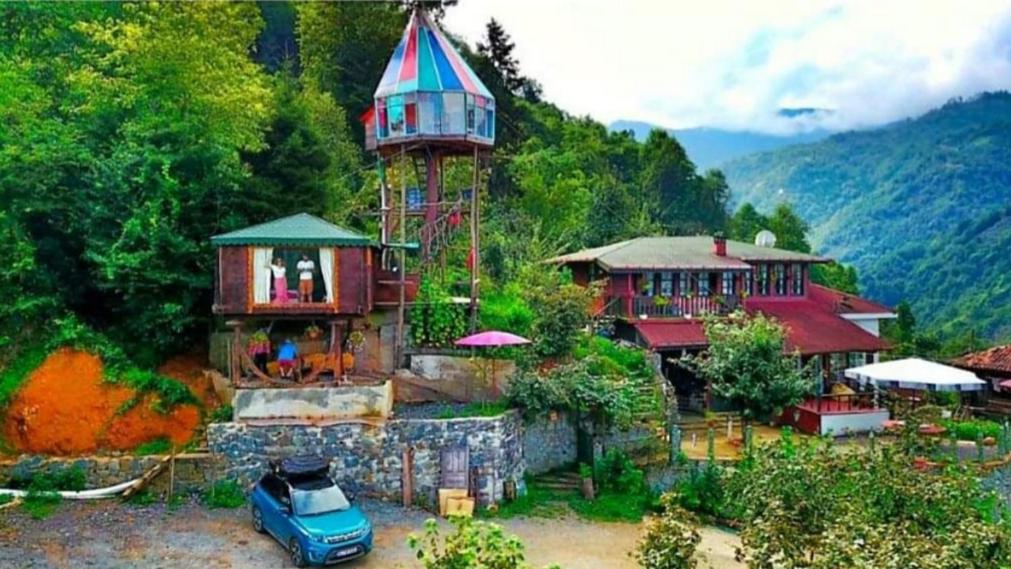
[
  {"x": 922, "y": 208},
  {"x": 710, "y": 147}
]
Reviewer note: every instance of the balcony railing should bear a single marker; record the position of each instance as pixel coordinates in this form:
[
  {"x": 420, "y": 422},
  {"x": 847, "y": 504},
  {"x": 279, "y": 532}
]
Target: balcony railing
[{"x": 670, "y": 307}]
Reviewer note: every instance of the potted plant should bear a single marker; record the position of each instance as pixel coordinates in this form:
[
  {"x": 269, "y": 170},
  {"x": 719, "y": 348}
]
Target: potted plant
[
  {"x": 313, "y": 332},
  {"x": 586, "y": 475},
  {"x": 356, "y": 341}
]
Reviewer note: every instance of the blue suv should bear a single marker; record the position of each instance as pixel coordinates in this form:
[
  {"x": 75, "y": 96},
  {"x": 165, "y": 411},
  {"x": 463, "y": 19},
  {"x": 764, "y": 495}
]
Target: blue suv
[{"x": 308, "y": 514}]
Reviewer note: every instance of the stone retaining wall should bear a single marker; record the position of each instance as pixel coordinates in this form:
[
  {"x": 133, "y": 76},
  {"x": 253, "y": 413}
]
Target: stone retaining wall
[
  {"x": 549, "y": 444},
  {"x": 193, "y": 472},
  {"x": 368, "y": 458}
]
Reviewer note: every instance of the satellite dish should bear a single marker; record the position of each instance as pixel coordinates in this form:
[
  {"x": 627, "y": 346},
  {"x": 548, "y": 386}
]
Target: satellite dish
[{"x": 765, "y": 238}]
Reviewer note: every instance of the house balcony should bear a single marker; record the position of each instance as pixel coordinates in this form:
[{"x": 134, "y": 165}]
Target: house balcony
[{"x": 638, "y": 307}]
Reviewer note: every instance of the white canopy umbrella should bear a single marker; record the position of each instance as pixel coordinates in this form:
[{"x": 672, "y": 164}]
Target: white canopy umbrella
[{"x": 914, "y": 373}]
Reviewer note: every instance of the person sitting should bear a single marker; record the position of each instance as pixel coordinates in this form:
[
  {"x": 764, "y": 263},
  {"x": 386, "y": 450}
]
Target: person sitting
[
  {"x": 287, "y": 355},
  {"x": 306, "y": 268},
  {"x": 259, "y": 349}
]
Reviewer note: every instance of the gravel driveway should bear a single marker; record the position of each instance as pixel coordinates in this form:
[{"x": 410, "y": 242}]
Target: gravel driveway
[{"x": 109, "y": 534}]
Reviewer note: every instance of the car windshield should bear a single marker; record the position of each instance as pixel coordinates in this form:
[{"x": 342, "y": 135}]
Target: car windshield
[{"x": 320, "y": 500}]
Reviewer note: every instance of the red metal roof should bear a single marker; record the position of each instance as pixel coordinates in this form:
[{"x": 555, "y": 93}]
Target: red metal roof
[
  {"x": 813, "y": 326},
  {"x": 843, "y": 303},
  {"x": 995, "y": 359},
  {"x": 672, "y": 333}
]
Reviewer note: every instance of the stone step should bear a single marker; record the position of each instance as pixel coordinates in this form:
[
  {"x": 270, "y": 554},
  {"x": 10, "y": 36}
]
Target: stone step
[{"x": 559, "y": 485}]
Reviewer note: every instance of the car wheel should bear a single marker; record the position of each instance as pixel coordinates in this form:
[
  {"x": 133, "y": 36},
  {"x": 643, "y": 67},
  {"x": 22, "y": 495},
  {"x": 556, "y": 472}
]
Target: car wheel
[
  {"x": 258, "y": 520},
  {"x": 295, "y": 552}
]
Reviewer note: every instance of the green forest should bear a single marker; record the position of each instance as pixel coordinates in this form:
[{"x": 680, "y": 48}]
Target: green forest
[
  {"x": 134, "y": 132},
  {"x": 920, "y": 208}
]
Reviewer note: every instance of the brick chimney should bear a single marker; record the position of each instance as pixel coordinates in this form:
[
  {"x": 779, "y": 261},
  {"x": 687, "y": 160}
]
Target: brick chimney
[{"x": 720, "y": 245}]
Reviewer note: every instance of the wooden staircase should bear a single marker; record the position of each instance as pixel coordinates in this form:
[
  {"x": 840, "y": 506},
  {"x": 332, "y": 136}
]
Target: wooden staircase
[{"x": 559, "y": 480}]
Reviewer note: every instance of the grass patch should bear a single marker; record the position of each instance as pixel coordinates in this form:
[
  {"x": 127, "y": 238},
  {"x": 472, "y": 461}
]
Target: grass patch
[
  {"x": 549, "y": 503},
  {"x": 224, "y": 494},
  {"x": 969, "y": 430},
  {"x": 42, "y": 498},
  {"x": 6, "y": 499},
  {"x": 41, "y": 505},
  {"x": 222, "y": 414},
  {"x": 538, "y": 502},
  {"x": 160, "y": 445},
  {"x": 18, "y": 371},
  {"x": 490, "y": 409},
  {"x": 142, "y": 498}
]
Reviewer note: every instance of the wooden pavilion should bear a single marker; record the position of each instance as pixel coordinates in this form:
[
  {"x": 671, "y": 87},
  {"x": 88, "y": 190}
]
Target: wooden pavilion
[{"x": 346, "y": 285}]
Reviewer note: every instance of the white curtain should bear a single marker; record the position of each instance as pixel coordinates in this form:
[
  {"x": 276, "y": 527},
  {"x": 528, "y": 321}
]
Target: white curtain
[
  {"x": 261, "y": 274},
  {"x": 326, "y": 267}
]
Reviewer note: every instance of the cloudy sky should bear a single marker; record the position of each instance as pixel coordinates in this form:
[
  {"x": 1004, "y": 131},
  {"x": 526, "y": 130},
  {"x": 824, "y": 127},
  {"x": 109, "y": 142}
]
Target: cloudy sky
[{"x": 733, "y": 64}]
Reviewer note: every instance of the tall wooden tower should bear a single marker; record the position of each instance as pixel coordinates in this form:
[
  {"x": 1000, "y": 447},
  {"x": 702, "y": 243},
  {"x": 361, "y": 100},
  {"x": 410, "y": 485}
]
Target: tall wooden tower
[{"x": 430, "y": 106}]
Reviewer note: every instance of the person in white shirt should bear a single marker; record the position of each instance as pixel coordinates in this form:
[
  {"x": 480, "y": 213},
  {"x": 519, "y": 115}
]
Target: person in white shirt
[
  {"x": 306, "y": 268},
  {"x": 280, "y": 281}
]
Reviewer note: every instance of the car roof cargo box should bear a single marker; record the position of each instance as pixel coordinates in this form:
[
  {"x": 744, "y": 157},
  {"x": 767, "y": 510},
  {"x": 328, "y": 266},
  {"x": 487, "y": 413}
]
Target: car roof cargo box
[{"x": 301, "y": 467}]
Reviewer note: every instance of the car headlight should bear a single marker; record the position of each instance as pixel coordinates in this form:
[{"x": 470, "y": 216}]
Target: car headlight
[{"x": 317, "y": 538}]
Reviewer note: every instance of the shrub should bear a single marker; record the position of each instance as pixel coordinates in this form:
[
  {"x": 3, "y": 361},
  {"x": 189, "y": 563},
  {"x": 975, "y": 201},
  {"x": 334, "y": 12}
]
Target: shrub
[
  {"x": 702, "y": 491},
  {"x": 222, "y": 414},
  {"x": 746, "y": 363},
  {"x": 472, "y": 545},
  {"x": 160, "y": 445},
  {"x": 507, "y": 311},
  {"x": 224, "y": 494},
  {"x": 971, "y": 429},
  {"x": 615, "y": 473},
  {"x": 435, "y": 320},
  {"x": 669, "y": 541},
  {"x": 42, "y": 498}
]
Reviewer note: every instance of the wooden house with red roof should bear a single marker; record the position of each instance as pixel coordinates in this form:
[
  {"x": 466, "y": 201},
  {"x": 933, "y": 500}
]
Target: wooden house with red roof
[
  {"x": 657, "y": 287},
  {"x": 993, "y": 366}
]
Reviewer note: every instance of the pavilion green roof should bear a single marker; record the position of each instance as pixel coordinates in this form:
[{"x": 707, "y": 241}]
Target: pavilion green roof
[{"x": 297, "y": 230}]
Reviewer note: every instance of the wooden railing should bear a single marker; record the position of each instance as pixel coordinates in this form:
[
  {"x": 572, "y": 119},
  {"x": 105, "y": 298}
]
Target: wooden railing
[
  {"x": 842, "y": 402},
  {"x": 670, "y": 307}
]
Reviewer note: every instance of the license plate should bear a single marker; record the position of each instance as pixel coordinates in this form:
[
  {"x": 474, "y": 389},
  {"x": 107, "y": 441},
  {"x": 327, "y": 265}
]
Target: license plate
[{"x": 346, "y": 551}]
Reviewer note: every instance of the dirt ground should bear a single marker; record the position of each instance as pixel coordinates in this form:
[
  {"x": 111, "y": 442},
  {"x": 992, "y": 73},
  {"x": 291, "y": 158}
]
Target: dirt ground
[
  {"x": 109, "y": 534},
  {"x": 66, "y": 408}
]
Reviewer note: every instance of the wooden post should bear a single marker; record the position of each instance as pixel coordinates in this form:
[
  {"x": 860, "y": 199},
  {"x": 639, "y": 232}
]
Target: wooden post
[
  {"x": 475, "y": 215},
  {"x": 398, "y": 352},
  {"x": 235, "y": 365},
  {"x": 336, "y": 347},
  {"x": 407, "y": 480},
  {"x": 172, "y": 474}
]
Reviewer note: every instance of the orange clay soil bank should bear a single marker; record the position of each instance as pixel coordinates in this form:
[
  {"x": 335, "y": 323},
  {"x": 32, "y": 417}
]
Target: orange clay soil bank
[{"x": 65, "y": 408}]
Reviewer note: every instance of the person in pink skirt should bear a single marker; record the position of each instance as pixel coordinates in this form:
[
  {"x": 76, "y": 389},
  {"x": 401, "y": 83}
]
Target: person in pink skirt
[{"x": 280, "y": 281}]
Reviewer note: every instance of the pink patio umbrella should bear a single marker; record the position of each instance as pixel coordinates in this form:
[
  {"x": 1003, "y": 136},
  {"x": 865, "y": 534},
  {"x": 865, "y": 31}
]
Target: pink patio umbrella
[
  {"x": 492, "y": 339},
  {"x": 1005, "y": 385}
]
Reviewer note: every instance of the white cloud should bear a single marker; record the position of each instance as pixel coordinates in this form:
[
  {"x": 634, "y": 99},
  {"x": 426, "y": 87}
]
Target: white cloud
[{"x": 734, "y": 63}]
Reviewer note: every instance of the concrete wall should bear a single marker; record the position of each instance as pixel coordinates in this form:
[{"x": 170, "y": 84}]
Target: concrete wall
[
  {"x": 469, "y": 379},
  {"x": 369, "y": 458},
  {"x": 313, "y": 403},
  {"x": 853, "y": 422},
  {"x": 193, "y": 472}
]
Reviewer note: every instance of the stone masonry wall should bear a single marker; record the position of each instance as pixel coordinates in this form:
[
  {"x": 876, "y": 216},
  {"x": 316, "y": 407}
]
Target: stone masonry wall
[
  {"x": 367, "y": 458},
  {"x": 549, "y": 444},
  {"x": 193, "y": 472}
]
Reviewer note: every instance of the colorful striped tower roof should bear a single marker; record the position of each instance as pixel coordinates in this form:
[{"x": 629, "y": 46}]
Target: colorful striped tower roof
[{"x": 424, "y": 60}]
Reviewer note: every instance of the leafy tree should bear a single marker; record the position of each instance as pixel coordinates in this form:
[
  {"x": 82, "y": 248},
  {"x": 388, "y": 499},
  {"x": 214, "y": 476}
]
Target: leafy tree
[
  {"x": 670, "y": 540},
  {"x": 747, "y": 363},
  {"x": 745, "y": 224},
  {"x": 790, "y": 229},
  {"x": 814, "y": 506},
  {"x": 836, "y": 276},
  {"x": 563, "y": 312},
  {"x": 498, "y": 47},
  {"x": 472, "y": 545}
]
